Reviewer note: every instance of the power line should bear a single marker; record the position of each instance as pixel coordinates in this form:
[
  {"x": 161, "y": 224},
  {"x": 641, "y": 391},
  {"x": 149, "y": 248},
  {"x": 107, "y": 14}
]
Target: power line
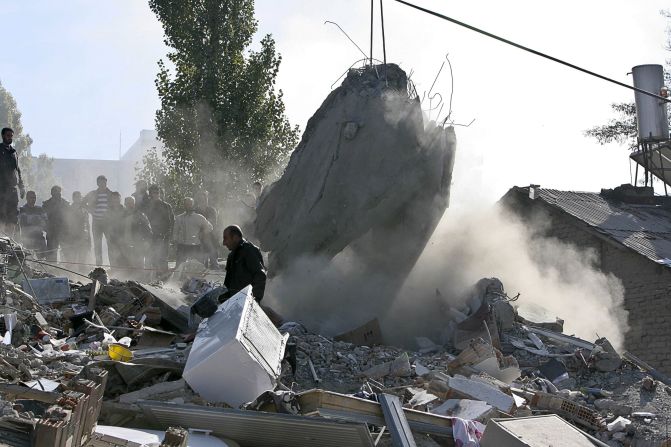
[{"x": 532, "y": 51}]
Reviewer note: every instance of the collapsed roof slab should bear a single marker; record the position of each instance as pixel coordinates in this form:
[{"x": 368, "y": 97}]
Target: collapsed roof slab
[{"x": 370, "y": 173}]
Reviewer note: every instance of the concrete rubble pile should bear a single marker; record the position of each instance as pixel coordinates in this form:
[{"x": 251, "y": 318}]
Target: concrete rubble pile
[
  {"x": 158, "y": 357},
  {"x": 492, "y": 364}
]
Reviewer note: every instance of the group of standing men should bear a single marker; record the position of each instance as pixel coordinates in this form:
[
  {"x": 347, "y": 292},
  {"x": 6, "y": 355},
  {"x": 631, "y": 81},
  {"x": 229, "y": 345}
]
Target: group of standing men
[{"x": 138, "y": 232}]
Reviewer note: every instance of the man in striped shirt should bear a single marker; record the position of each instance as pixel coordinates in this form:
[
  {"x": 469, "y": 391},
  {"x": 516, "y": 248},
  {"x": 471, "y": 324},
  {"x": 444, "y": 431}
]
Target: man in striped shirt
[{"x": 97, "y": 202}]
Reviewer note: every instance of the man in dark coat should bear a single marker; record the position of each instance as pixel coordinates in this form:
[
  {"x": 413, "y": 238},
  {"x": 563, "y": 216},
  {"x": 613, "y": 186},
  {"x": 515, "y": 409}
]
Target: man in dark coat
[
  {"x": 78, "y": 244},
  {"x": 136, "y": 237},
  {"x": 141, "y": 195},
  {"x": 10, "y": 179},
  {"x": 57, "y": 209},
  {"x": 162, "y": 220},
  {"x": 244, "y": 265},
  {"x": 33, "y": 223}
]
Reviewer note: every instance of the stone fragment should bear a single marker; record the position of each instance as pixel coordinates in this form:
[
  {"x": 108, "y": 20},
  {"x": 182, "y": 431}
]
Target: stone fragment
[
  {"x": 619, "y": 424},
  {"x": 477, "y": 390},
  {"x": 648, "y": 383},
  {"x": 400, "y": 367},
  {"x": 603, "y": 357}
]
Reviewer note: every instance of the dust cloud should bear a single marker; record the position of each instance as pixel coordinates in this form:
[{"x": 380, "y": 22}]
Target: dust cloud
[{"x": 467, "y": 245}]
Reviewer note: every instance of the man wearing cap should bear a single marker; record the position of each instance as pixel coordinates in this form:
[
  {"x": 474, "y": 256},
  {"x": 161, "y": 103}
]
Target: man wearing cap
[
  {"x": 162, "y": 220},
  {"x": 10, "y": 179},
  {"x": 97, "y": 202}
]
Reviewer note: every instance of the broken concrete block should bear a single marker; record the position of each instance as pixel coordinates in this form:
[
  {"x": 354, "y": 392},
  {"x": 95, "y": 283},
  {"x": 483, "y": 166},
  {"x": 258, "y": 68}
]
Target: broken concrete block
[
  {"x": 399, "y": 367},
  {"x": 604, "y": 357},
  {"x": 237, "y": 353},
  {"x": 477, "y": 351},
  {"x": 534, "y": 431},
  {"x": 483, "y": 357},
  {"x": 421, "y": 399},
  {"x": 619, "y": 424},
  {"x": 439, "y": 388},
  {"x": 421, "y": 370},
  {"x": 508, "y": 373},
  {"x": 476, "y": 390},
  {"x": 474, "y": 410}
]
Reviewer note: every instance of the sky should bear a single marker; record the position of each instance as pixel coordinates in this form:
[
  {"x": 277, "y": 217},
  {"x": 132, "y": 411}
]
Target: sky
[{"x": 83, "y": 71}]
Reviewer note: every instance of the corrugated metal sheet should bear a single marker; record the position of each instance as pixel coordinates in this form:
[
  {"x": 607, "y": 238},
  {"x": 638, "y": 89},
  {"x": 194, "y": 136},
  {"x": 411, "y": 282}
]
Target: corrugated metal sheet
[
  {"x": 258, "y": 429},
  {"x": 645, "y": 229}
]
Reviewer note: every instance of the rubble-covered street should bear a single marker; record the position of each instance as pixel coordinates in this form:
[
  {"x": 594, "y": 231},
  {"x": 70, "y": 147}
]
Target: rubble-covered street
[{"x": 230, "y": 223}]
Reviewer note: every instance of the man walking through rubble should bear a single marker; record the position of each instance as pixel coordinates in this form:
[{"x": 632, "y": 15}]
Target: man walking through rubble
[
  {"x": 244, "y": 265},
  {"x": 162, "y": 220},
  {"x": 190, "y": 229},
  {"x": 97, "y": 202},
  {"x": 57, "y": 209},
  {"x": 33, "y": 224},
  {"x": 10, "y": 178}
]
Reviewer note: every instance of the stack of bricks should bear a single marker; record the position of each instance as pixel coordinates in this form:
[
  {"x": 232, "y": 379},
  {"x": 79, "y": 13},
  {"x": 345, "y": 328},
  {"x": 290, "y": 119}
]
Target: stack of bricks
[{"x": 71, "y": 420}]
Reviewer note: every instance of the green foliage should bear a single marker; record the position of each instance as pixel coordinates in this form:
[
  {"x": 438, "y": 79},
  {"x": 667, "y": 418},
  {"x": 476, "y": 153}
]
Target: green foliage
[
  {"x": 37, "y": 172},
  {"x": 221, "y": 120},
  {"x": 10, "y": 116},
  {"x": 621, "y": 129}
]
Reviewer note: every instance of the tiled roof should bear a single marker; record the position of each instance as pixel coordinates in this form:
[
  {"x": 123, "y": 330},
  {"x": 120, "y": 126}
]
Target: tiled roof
[{"x": 643, "y": 228}]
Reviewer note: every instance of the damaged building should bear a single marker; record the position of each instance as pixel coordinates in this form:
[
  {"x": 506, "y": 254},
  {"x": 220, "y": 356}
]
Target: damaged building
[{"x": 628, "y": 229}]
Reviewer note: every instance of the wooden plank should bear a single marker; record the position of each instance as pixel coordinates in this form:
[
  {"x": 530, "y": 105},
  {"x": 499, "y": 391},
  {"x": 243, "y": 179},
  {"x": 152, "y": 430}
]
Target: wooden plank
[
  {"x": 397, "y": 424},
  {"x": 348, "y": 408}
]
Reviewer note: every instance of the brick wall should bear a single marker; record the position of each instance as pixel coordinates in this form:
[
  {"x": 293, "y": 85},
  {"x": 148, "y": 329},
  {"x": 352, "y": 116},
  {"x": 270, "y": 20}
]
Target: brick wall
[{"x": 647, "y": 285}]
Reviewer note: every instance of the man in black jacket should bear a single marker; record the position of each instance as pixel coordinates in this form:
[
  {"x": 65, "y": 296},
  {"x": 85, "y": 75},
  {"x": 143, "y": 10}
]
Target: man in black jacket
[
  {"x": 33, "y": 223},
  {"x": 57, "y": 209},
  {"x": 10, "y": 178},
  {"x": 244, "y": 265},
  {"x": 137, "y": 236},
  {"x": 162, "y": 220}
]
